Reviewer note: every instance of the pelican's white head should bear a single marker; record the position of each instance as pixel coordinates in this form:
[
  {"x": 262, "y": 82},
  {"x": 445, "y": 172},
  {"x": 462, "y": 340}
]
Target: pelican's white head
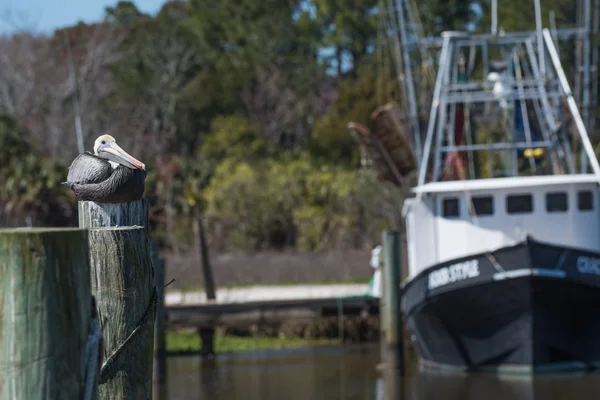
[{"x": 106, "y": 147}]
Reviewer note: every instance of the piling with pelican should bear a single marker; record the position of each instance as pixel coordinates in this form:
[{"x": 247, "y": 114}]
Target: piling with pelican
[{"x": 109, "y": 185}]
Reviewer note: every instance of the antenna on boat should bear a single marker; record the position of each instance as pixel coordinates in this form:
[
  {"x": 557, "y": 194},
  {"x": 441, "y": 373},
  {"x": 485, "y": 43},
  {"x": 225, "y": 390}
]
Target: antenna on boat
[
  {"x": 494, "y": 28},
  {"x": 540, "y": 41}
]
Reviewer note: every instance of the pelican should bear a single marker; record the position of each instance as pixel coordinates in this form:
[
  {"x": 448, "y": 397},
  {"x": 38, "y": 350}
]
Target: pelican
[{"x": 110, "y": 175}]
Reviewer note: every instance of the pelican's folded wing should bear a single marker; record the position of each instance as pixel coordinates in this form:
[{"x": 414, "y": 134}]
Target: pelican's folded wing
[{"x": 88, "y": 168}]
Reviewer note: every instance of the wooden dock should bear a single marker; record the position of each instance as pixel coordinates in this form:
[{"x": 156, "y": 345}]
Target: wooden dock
[{"x": 241, "y": 307}]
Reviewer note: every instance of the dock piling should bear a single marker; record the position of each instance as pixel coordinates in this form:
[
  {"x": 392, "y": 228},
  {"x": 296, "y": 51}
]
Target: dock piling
[
  {"x": 392, "y": 343},
  {"x": 46, "y": 315},
  {"x": 123, "y": 284},
  {"x": 207, "y": 334}
]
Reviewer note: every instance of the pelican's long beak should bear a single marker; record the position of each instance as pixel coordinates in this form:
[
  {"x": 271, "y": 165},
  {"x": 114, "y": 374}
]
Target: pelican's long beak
[{"x": 115, "y": 153}]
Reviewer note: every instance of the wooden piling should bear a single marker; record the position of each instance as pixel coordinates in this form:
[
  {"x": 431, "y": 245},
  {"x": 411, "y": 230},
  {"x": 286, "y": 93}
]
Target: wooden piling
[
  {"x": 45, "y": 315},
  {"x": 126, "y": 298},
  {"x": 390, "y": 309},
  {"x": 209, "y": 282},
  {"x": 207, "y": 335},
  {"x": 96, "y": 215},
  {"x": 123, "y": 284}
]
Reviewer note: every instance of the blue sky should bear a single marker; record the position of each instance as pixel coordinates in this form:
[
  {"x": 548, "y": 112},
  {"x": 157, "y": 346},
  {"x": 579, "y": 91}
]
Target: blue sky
[{"x": 44, "y": 16}]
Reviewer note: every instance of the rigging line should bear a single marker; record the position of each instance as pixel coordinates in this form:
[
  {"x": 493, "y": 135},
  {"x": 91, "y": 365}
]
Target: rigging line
[
  {"x": 378, "y": 57},
  {"x": 467, "y": 72},
  {"x": 523, "y": 105},
  {"x": 379, "y": 39},
  {"x": 393, "y": 26},
  {"x": 420, "y": 34}
]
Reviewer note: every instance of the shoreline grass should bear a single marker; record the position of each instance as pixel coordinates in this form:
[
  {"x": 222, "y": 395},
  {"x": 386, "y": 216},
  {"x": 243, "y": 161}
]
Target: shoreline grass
[{"x": 182, "y": 341}]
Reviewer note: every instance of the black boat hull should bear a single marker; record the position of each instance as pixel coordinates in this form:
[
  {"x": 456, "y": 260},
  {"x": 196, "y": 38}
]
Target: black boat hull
[{"x": 529, "y": 307}]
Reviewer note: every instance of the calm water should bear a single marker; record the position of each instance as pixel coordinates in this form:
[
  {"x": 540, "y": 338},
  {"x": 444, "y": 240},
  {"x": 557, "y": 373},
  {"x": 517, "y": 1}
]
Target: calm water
[{"x": 351, "y": 373}]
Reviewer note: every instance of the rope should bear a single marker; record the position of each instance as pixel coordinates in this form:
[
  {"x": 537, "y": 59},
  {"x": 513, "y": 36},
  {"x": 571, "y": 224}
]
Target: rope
[{"x": 108, "y": 365}]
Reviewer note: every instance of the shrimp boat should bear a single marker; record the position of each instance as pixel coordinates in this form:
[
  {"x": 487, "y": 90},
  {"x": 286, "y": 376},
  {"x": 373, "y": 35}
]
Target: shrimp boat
[{"x": 503, "y": 231}]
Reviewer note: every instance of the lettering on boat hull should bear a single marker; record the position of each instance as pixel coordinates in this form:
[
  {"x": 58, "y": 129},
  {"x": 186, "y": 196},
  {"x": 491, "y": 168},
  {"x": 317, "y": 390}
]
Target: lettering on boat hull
[
  {"x": 453, "y": 273},
  {"x": 588, "y": 265}
]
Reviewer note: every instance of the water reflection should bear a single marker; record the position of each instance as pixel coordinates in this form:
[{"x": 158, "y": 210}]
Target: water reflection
[{"x": 352, "y": 373}]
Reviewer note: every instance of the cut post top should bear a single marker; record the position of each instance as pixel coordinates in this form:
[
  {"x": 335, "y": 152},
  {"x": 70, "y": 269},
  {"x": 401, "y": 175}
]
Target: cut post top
[{"x": 95, "y": 215}]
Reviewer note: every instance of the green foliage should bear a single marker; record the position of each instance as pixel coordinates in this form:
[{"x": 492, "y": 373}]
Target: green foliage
[
  {"x": 190, "y": 341},
  {"x": 239, "y": 199},
  {"x": 242, "y": 33},
  {"x": 447, "y": 15},
  {"x": 235, "y": 138},
  {"x": 355, "y": 102},
  {"x": 12, "y": 144},
  {"x": 349, "y": 28},
  {"x": 124, "y": 13},
  {"x": 518, "y": 16},
  {"x": 298, "y": 202},
  {"x": 31, "y": 184}
]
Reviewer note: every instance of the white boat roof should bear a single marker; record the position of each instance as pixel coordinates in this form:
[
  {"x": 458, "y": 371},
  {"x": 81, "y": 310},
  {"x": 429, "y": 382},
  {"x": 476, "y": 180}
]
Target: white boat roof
[{"x": 504, "y": 183}]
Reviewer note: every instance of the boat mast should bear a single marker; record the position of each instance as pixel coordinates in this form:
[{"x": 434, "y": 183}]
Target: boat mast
[
  {"x": 540, "y": 40},
  {"x": 585, "y": 104},
  {"x": 399, "y": 21},
  {"x": 494, "y": 27}
]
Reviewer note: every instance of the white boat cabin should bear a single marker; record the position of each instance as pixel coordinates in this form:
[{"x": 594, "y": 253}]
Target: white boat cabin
[{"x": 558, "y": 209}]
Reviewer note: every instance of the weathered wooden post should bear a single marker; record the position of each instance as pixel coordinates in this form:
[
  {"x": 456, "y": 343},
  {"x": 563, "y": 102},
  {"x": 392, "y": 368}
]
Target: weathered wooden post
[
  {"x": 122, "y": 282},
  {"x": 391, "y": 313},
  {"x": 48, "y": 346},
  {"x": 207, "y": 334},
  {"x": 96, "y": 215}
]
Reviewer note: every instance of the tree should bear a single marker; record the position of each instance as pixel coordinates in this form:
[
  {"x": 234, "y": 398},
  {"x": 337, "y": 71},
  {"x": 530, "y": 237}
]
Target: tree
[
  {"x": 30, "y": 182},
  {"x": 38, "y": 86},
  {"x": 262, "y": 50},
  {"x": 520, "y": 16},
  {"x": 446, "y": 15},
  {"x": 234, "y": 138},
  {"x": 356, "y": 100},
  {"x": 157, "y": 61},
  {"x": 350, "y": 29}
]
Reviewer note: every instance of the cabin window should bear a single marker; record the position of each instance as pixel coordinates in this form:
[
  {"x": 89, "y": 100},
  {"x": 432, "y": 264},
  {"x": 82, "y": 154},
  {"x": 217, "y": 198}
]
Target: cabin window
[
  {"x": 556, "y": 202},
  {"x": 519, "y": 203},
  {"x": 483, "y": 205},
  {"x": 450, "y": 207},
  {"x": 585, "y": 200}
]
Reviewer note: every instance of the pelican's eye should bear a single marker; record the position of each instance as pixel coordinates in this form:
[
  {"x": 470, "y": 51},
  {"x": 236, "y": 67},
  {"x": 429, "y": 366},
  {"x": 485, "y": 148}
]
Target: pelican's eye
[{"x": 103, "y": 142}]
